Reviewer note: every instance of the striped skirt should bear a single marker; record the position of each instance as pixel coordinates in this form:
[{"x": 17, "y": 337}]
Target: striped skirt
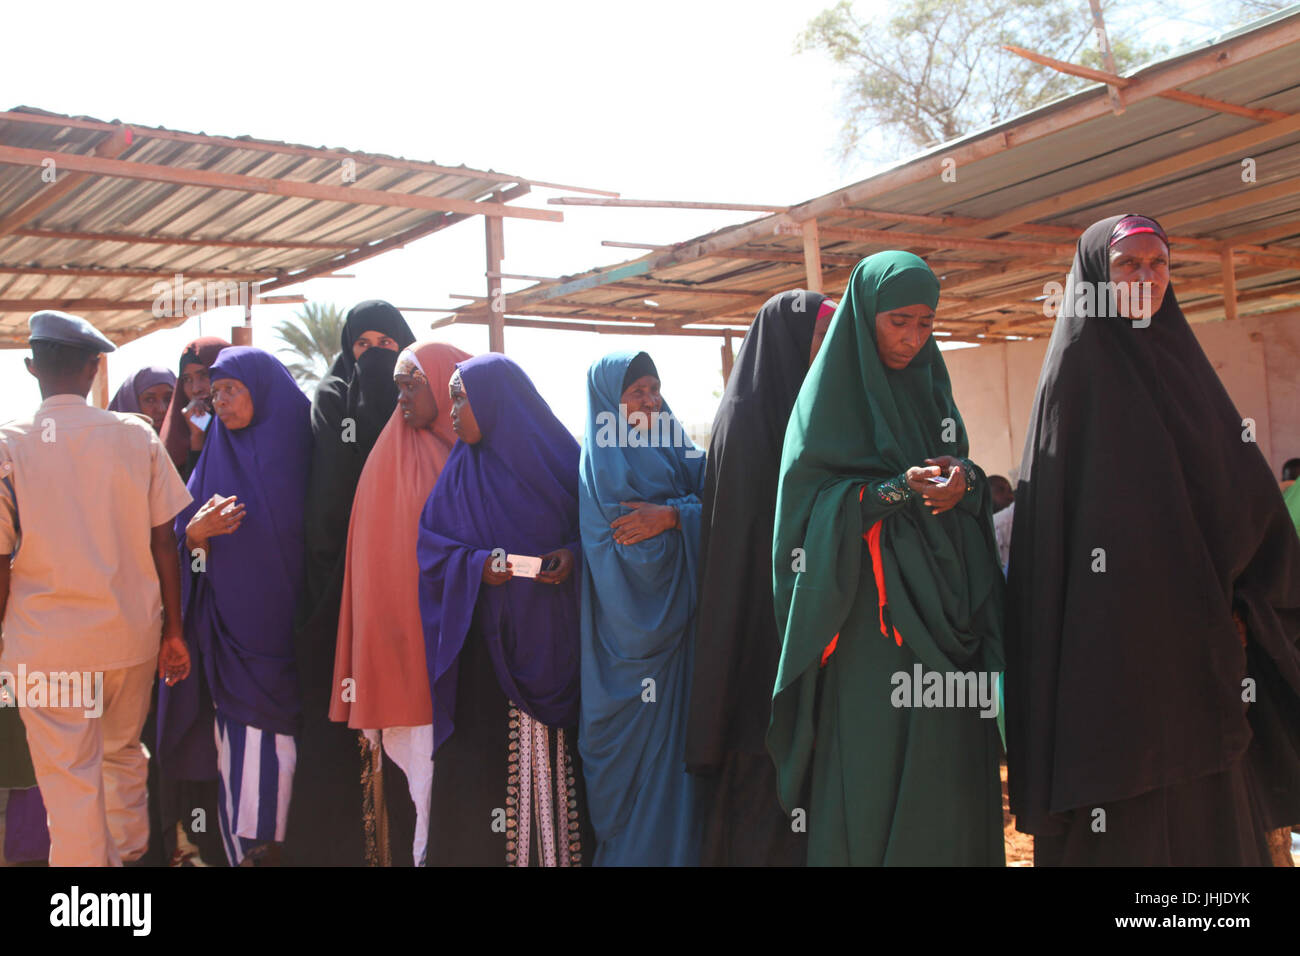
[{"x": 256, "y": 771}]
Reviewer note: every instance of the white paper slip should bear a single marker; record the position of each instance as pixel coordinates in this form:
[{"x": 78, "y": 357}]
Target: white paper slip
[
  {"x": 201, "y": 421},
  {"x": 522, "y": 566}
]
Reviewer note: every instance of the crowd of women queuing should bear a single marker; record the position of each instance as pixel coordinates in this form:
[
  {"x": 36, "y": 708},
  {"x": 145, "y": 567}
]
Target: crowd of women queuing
[{"x": 428, "y": 627}]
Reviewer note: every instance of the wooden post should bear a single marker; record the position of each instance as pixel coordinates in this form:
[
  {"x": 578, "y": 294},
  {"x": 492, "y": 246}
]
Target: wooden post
[
  {"x": 496, "y": 298},
  {"x": 1229, "y": 287},
  {"x": 728, "y": 359},
  {"x": 99, "y": 390},
  {"x": 1107, "y": 57},
  {"x": 243, "y": 334},
  {"x": 812, "y": 255}
]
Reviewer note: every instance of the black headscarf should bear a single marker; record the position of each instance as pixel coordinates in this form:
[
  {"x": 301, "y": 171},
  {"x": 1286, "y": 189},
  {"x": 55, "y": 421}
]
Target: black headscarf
[
  {"x": 736, "y": 641},
  {"x": 363, "y": 391},
  {"x": 1129, "y": 679},
  {"x": 327, "y": 799}
]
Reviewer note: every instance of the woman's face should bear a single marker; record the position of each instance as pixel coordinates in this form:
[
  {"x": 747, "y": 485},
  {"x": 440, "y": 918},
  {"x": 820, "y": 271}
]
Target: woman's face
[
  {"x": 232, "y": 403},
  {"x": 373, "y": 340},
  {"x": 195, "y": 382},
  {"x": 1140, "y": 258},
  {"x": 415, "y": 399},
  {"x": 901, "y": 333},
  {"x": 154, "y": 401},
  {"x": 642, "y": 401},
  {"x": 463, "y": 422}
]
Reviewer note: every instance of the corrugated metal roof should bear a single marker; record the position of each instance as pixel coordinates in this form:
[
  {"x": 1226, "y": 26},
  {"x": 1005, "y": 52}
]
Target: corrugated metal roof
[
  {"x": 993, "y": 290},
  {"x": 109, "y": 239}
]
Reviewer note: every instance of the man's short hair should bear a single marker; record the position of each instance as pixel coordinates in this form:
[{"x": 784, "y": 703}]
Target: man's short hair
[
  {"x": 56, "y": 358},
  {"x": 1291, "y": 470}
]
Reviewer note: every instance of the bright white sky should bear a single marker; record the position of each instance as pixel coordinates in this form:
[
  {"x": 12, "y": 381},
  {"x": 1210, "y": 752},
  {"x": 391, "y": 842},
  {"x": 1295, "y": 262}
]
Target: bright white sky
[{"x": 679, "y": 99}]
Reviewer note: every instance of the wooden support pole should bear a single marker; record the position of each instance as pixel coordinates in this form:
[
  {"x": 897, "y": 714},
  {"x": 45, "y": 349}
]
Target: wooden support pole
[
  {"x": 1229, "y": 287},
  {"x": 495, "y": 232},
  {"x": 243, "y": 334},
  {"x": 99, "y": 390},
  {"x": 812, "y": 255},
  {"x": 728, "y": 359}
]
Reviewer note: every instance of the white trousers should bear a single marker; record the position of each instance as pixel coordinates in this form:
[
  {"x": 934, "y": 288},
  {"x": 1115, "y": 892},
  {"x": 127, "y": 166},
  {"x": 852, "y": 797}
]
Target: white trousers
[{"x": 93, "y": 773}]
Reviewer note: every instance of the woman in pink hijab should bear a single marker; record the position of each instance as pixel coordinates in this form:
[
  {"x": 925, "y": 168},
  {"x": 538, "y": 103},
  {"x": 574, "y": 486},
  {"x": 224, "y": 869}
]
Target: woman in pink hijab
[{"x": 381, "y": 683}]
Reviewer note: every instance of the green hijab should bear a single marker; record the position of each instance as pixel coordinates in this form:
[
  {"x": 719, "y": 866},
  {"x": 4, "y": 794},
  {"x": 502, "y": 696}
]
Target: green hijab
[{"x": 857, "y": 422}]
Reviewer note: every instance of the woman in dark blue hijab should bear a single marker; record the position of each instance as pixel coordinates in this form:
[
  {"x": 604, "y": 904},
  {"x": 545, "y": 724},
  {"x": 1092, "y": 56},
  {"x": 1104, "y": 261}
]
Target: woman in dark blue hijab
[
  {"x": 502, "y": 645},
  {"x": 639, "y": 504},
  {"x": 242, "y": 540}
]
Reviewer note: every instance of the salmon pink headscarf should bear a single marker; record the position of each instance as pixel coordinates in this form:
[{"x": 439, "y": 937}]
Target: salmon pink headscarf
[{"x": 381, "y": 636}]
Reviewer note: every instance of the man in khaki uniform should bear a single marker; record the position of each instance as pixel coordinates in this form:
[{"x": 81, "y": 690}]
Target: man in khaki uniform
[{"x": 87, "y": 499}]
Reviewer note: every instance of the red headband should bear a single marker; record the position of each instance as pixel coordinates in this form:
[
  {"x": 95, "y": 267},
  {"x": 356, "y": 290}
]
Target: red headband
[{"x": 1133, "y": 225}]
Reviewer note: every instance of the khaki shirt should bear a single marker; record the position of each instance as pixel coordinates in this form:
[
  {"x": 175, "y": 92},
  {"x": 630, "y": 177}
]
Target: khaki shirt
[{"x": 90, "y": 485}]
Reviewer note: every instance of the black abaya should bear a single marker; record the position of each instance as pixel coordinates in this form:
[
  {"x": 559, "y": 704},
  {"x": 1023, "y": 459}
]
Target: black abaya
[
  {"x": 736, "y": 642},
  {"x": 351, "y": 406},
  {"x": 1143, "y": 521}
]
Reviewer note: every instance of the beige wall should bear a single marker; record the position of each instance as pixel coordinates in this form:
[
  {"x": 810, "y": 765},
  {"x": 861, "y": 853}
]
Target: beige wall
[{"x": 1257, "y": 358}]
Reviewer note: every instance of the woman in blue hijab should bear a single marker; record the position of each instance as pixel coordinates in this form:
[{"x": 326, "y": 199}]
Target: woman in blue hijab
[
  {"x": 639, "y": 505},
  {"x": 501, "y": 636},
  {"x": 242, "y": 540}
]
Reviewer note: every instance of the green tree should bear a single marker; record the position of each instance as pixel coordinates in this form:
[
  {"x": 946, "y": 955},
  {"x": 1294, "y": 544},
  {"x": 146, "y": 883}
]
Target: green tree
[
  {"x": 311, "y": 340},
  {"x": 929, "y": 71}
]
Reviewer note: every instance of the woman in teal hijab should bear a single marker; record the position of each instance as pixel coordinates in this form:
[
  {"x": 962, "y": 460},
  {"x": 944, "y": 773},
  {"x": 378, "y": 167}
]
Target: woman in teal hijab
[
  {"x": 639, "y": 510},
  {"x": 888, "y": 593}
]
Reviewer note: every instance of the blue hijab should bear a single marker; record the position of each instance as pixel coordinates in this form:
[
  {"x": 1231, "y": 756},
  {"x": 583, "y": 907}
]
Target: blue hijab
[
  {"x": 517, "y": 489},
  {"x": 638, "y": 620},
  {"x": 239, "y": 612}
]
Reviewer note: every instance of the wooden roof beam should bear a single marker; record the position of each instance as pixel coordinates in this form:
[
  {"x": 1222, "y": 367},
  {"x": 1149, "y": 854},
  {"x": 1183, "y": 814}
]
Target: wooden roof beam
[
  {"x": 142, "y": 239},
  {"x": 209, "y": 179},
  {"x": 1119, "y": 82},
  {"x": 664, "y": 204},
  {"x": 79, "y": 272},
  {"x": 290, "y": 149},
  {"x": 1124, "y": 182},
  {"x": 377, "y": 248},
  {"x": 110, "y": 147},
  {"x": 1252, "y": 196},
  {"x": 567, "y": 323},
  {"x": 116, "y": 305},
  {"x": 1066, "y": 232}
]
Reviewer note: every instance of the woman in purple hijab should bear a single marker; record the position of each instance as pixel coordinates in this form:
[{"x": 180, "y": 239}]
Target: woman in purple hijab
[
  {"x": 243, "y": 543},
  {"x": 498, "y": 546},
  {"x": 148, "y": 392}
]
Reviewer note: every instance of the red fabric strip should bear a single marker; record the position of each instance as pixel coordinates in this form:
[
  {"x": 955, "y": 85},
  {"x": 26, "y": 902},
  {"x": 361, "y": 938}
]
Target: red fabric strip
[{"x": 872, "y": 538}]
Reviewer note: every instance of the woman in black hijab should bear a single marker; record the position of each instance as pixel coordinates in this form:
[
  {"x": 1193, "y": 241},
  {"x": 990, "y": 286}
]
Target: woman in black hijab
[
  {"x": 352, "y": 405},
  {"x": 736, "y": 641},
  {"x": 1153, "y": 674}
]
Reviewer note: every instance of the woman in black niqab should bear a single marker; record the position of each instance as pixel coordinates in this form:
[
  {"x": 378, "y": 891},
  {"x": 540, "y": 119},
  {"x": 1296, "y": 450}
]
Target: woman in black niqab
[
  {"x": 1147, "y": 524},
  {"x": 736, "y": 641},
  {"x": 351, "y": 406}
]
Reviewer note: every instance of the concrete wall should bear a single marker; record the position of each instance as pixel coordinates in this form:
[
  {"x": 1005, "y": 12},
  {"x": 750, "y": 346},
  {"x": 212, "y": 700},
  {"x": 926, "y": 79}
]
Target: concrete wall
[{"x": 1258, "y": 360}]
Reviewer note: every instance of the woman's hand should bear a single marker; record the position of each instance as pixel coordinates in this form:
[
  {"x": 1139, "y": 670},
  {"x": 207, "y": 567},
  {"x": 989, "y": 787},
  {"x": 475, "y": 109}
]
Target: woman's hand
[
  {"x": 217, "y": 516},
  {"x": 173, "y": 660},
  {"x": 496, "y": 578},
  {"x": 562, "y": 569},
  {"x": 938, "y": 497},
  {"x": 191, "y": 412},
  {"x": 645, "y": 521}
]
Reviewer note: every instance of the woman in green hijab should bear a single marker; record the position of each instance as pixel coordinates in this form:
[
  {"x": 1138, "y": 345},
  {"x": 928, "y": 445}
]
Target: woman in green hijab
[{"x": 888, "y": 594}]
